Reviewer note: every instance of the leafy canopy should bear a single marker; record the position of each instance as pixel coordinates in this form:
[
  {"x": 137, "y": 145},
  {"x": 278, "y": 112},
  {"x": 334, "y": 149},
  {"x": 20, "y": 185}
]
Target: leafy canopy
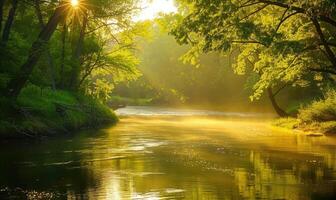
[{"x": 276, "y": 39}]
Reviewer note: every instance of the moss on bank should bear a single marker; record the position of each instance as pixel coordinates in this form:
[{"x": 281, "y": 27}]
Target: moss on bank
[{"x": 45, "y": 112}]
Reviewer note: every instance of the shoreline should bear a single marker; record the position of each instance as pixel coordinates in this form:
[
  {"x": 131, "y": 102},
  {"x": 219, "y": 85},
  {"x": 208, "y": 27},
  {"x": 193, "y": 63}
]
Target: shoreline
[{"x": 309, "y": 129}]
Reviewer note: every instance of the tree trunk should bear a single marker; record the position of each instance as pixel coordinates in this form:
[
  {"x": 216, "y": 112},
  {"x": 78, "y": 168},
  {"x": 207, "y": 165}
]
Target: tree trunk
[
  {"x": 48, "y": 54},
  {"x": 9, "y": 23},
  {"x": 2, "y": 3},
  {"x": 64, "y": 32},
  {"x": 51, "y": 69},
  {"x": 76, "y": 57},
  {"x": 17, "y": 83},
  {"x": 275, "y": 105}
]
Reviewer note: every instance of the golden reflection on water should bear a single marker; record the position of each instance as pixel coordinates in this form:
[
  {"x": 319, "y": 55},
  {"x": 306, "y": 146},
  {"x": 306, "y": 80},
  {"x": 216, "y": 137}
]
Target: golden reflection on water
[
  {"x": 177, "y": 158},
  {"x": 204, "y": 158}
]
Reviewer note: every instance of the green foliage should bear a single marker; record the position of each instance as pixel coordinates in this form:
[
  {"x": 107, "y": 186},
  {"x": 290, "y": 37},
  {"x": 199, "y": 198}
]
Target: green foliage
[
  {"x": 73, "y": 55},
  {"x": 322, "y": 110},
  {"x": 309, "y": 128},
  {"x": 109, "y": 65},
  {"x": 39, "y": 114},
  {"x": 42, "y": 100},
  {"x": 91, "y": 50},
  {"x": 319, "y": 116},
  {"x": 275, "y": 39},
  {"x": 289, "y": 123}
]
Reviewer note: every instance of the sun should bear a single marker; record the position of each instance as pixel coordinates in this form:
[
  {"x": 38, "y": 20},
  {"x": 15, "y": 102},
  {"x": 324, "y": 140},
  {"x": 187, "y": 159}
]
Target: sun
[
  {"x": 151, "y": 9},
  {"x": 74, "y": 3}
]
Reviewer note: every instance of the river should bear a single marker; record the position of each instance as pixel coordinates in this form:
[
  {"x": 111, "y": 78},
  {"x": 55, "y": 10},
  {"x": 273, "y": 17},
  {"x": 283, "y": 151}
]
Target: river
[{"x": 160, "y": 153}]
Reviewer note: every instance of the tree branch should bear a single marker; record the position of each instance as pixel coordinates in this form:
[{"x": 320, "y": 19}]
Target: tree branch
[
  {"x": 324, "y": 42},
  {"x": 328, "y": 71}
]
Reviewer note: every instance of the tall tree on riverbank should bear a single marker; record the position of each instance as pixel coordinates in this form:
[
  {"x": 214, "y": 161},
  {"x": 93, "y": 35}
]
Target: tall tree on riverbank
[
  {"x": 9, "y": 20},
  {"x": 85, "y": 26},
  {"x": 284, "y": 42},
  {"x": 16, "y": 84}
]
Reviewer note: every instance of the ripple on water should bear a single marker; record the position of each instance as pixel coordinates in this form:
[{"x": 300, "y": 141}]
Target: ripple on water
[
  {"x": 168, "y": 193},
  {"x": 174, "y": 190},
  {"x": 192, "y": 158}
]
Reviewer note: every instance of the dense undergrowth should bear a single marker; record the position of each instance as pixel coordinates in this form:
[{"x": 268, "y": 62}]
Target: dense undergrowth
[
  {"x": 44, "y": 112},
  {"x": 319, "y": 116}
]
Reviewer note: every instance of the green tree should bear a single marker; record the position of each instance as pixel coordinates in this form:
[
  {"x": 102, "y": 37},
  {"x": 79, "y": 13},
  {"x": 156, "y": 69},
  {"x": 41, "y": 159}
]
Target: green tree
[
  {"x": 90, "y": 28},
  {"x": 284, "y": 42}
]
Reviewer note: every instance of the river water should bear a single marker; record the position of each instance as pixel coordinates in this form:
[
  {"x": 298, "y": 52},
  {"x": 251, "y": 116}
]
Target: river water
[{"x": 160, "y": 153}]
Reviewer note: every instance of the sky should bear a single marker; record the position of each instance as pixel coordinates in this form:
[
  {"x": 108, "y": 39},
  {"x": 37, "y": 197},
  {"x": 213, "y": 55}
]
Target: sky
[{"x": 151, "y": 8}]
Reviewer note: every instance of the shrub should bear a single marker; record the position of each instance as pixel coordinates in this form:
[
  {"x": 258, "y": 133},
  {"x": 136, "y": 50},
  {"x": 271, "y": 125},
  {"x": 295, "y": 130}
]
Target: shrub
[{"x": 322, "y": 110}]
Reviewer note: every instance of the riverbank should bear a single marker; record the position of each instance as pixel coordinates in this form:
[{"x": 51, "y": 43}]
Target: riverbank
[
  {"x": 317, "y": 117},
  {"x": 309, "y": 128},
  {"x": 171, "y": 157},
  {"x": 116, "y": 101},
  {"x": 43, "y": 112}
]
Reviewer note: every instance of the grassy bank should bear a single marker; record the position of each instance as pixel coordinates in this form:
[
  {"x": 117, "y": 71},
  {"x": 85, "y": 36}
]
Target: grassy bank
[
  {"x": 319, "y": 116},
  {"x": 313, "y": 127},
  {"x": 43, "y": 112}
]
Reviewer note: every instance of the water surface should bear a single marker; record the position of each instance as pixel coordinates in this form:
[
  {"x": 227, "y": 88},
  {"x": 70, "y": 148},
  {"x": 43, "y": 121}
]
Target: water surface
[{"x": 159, "y": 153}]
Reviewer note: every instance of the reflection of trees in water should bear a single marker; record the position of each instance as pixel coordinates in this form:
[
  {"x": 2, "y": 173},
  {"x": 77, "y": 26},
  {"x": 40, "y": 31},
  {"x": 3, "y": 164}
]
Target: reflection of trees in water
[
  {"x": 323, "y": 147},
  {"x": 283, "y": 175},
  {"x": 267, "y": 173},
  {"x": 139, "y": 175},
  {"x": 130, "y": 163},
  {"x": 46, "y": 166}
]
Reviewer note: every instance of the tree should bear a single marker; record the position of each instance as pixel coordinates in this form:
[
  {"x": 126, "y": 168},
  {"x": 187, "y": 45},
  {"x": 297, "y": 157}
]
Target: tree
[
  {"x": 16, "y": 84},
  {"x": 48, "y": 54},
  {"x": 108, "y": 17},
  {"x": 2, "y": 3},
  {"x": 283, "y": 41},
  {"x": 9, "y": 21},
  {"x": 81, "y": 24}
]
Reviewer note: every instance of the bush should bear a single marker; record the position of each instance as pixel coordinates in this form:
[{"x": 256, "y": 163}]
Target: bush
[
  {"x": 319, "y": 116},
  {"x": 42, "y": 101},
  {"x": 323, "y": 110}
]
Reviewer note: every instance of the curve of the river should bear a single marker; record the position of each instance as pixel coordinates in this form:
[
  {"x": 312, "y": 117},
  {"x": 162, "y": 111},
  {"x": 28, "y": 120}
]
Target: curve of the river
[{"x": 165, "y": 153}]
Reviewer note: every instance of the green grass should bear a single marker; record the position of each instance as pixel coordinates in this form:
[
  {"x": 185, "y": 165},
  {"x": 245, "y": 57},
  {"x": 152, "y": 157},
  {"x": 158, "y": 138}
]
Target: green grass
[{"x": 36, "y": 113}]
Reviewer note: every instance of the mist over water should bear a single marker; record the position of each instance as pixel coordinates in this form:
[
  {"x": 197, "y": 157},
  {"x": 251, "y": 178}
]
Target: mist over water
[
  {"x": 165, "y": 153},
  {"x": 168, "y": 111}
]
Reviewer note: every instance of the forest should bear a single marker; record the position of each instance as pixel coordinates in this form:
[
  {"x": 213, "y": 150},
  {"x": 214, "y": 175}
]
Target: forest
[
  {"x": 168, "y": 99},
  {"x": 59, "y": 60},
  {"x": 75, "y": 58}
]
